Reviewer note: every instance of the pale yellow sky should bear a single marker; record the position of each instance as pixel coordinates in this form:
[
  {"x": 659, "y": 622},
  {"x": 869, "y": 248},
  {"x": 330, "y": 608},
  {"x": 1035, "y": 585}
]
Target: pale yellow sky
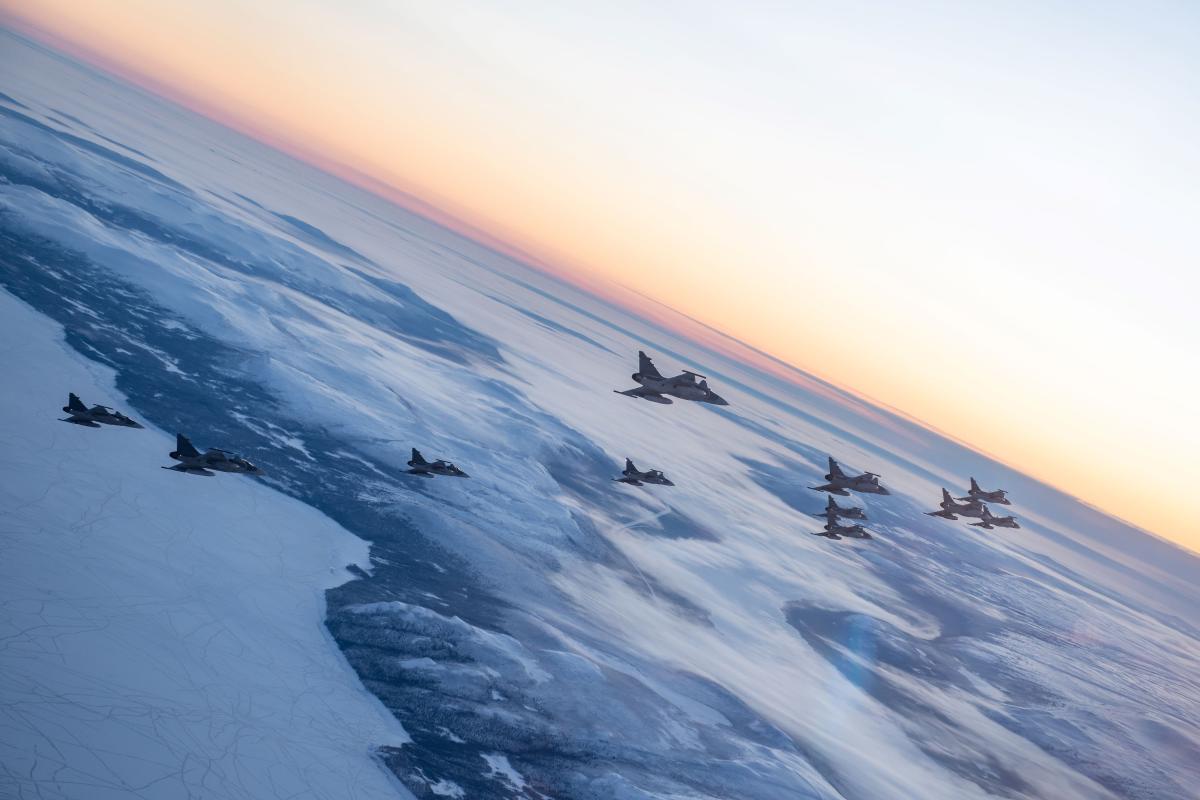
[{"x": 981, "y": 217}]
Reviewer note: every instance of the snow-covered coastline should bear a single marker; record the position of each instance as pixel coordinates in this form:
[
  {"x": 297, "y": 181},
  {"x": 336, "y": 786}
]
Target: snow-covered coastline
[
  {"x": 162, "y": 635},
  {"x": 538, "y": 630}
]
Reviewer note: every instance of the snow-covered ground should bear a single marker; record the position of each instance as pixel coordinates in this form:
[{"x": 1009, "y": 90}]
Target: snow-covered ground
[
  {"x": 539, "y": 630},
  {"x": 161, "y": 635}
]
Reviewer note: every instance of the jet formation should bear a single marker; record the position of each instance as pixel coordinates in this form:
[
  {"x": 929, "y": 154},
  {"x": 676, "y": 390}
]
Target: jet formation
[
  {"x": 949, "y": 509},
  {"x": 94, "y": 417},
  {"x": 973, "y": 506},
  {"x": 652, "y": 386},
  {"x": 635, "y": 477},
  {"x": 842, "y": 484},
  {"x": 834, "y": 529}
]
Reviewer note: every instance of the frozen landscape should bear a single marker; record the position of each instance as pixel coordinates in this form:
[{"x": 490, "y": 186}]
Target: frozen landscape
[{"x": 339, "y": 629}]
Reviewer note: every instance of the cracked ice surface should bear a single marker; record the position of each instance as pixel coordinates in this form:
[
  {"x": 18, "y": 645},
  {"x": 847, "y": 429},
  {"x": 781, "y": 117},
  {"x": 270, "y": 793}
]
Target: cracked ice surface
[{"x": 160, "y": 635}]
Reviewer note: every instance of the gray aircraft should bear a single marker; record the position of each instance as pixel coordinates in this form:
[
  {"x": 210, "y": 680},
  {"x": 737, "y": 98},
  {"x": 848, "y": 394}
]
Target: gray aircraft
[
  {"x": 656, "y": 388},
  {"x": 834, "y": 530},
  {"x": 635, "y": 477},
  {"x": 952, "y": 510},
  {"x": 990, "y": 520},
  {"x": 833, "y": 510},
  {"x": 213, "y": 460},
  {"x": 94, "y": 417},
  {"x": 840, "y": 482},
  {"x": 427, "y": 469},
  {"x": 997, "y": 496}
]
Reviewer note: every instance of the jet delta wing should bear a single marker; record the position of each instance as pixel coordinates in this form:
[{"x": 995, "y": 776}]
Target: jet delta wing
[
  {"x": 989, "y": 521},
  {"x": 828, "y": 534},
  {"x": 646, "y": 394}
]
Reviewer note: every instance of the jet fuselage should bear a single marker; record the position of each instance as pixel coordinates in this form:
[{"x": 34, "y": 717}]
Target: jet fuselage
[
  {"x": 681, "y": 386},
  {"x": 989, "y": 521},
  {"x": 997, "y": 496},
  {"x": 635, "y": 477}
]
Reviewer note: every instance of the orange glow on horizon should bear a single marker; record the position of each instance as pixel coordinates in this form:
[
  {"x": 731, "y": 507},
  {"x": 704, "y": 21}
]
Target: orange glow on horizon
[{"x": 439, "y": 160}]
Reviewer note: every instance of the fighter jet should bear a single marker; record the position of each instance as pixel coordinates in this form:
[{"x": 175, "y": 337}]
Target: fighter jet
[
  {"x": 840, "y": 482},
  {"x": 833, "y": 530},
  {"x": 94, "y": 417},
  {"x": 655, "y": 388},
  {"x": 849, "y": 531},
  {"x": 427, "y": 469},
  {"x": 989, "y": 521},
  {"x": 193, "y": 462},
  {"x": 833, "y": 510},
  {"x": 635, "y": 477},
  {"x": 998, "y": 496},
  {"x": 950, "y": 509}
]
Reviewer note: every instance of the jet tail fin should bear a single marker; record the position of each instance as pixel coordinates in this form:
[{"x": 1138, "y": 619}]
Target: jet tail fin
[
  {"x": 834, "y": 468},
  {"x": 417, "y": 458},
  {"x": 184, "y": 447},
  {"x": 629, "y": 467},
  {"x": 975, "y": 486},
  {"x": 946, "y": 496},
  {"x": 74, "y": 403},
  {"x": 646, "y": 366}
]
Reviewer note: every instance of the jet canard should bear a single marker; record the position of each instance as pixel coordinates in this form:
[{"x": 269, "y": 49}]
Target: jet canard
[
  {"x": 833, "y": 510},
  {"x": 842, "y": 484},
  {"x": 428, "y": 469},
  {"x": 995, "y": 496},
  {"x": 635, "y": 477},
  {"x": 952, "y": 510},
  {"x": 656, "y": 388},
  {"x": 193, "y": 462},
  {"x": 989, "y": 521},
  {"x": 94, "y": 417}
]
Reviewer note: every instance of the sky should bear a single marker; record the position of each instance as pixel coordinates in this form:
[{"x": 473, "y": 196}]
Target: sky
[{"x": 981, "y": 215}]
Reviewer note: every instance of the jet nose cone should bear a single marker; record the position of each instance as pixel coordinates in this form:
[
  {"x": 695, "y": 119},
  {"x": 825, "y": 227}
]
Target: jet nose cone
[
  {"x": 717, "y": 400},
  {"x": 883, "y": 490}
]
